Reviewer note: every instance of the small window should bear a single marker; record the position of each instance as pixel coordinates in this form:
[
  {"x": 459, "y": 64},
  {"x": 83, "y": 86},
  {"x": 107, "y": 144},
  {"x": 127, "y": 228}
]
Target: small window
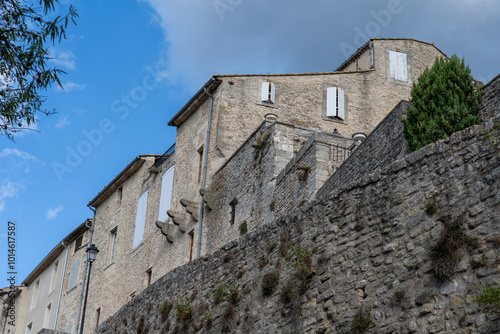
[
  {"x": 74, "y": 274},
  {"x": 97, "y": 316},
  {"x": 149, "y": 274},
  {"x": 53, "y": 278},
  {"x": 78, "y": 243},
  {"x": 232, "y": 205},
  {"x": 28, "y": 328},
  {"x": 113, "y": 235},
  {"x": 398, "y": 67},
  {"x": 200, "y": 165},
  {"x": 190, "y": 245},
  {"x": 120, "y": 194},
  {"x": 34, "y": 297},
  {"x": 47, "y": 316},
  {"x": 335, "y": 103},
  {"x": 268, "y": 93}
]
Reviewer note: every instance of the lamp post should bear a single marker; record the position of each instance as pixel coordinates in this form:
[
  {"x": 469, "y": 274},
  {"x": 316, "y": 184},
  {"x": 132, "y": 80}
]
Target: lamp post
[{"x": 91, "y": 255}]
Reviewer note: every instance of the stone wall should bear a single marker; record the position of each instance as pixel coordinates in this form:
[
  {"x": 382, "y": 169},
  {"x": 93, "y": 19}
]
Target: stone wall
[
  {"x": 490, "y": 99},
  {"x": 368, "y": 243},
  {"x": 115, "y": 282},
  {"x": 382, "y": 147},
  {"x": 308, "y": 171},
  {"x": 247, "y": 180}
]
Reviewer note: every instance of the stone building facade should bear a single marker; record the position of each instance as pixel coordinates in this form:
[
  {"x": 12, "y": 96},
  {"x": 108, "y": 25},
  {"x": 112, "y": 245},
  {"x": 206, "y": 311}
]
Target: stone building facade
[
  {"x": 367, "y": 245},
  {"x": 353, "y": 99},
  {"x": 147, "y": 218},
  {"x": 277, "y": 168},
  {"x": 134, "y": 250}
]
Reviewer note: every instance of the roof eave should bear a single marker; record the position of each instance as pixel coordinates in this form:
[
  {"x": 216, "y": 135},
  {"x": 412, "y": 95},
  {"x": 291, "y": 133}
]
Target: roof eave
[
  {"x": 54, "y": 253},
  {"x": 117, "y": 181},
  {"x": 194, "y": 102}
]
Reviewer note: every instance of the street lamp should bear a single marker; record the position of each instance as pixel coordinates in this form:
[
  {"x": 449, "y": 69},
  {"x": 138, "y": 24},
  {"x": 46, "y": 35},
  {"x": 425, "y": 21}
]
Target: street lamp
[{"x": 91, "y": 255}]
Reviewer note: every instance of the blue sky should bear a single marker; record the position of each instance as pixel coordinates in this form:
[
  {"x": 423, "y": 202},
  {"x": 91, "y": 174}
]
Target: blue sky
[{"x": 131, "y": 65}]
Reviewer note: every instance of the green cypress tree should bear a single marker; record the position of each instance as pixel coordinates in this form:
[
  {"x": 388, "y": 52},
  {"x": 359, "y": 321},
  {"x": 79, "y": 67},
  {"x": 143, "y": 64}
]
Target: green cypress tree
[{"x": 444, "y": 101}]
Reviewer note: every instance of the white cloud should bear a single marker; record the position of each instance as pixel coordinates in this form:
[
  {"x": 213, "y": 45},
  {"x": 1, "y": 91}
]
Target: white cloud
[
  {"x": 203, "y": 38},
  {"x": 64, "y": 58},
  {"x": 9, "y": 189},
  {"x": 62, "y": 122},
  {"x": 15, "y": 152},
  {"x": 52, "y": 213},
  {"x": 70, "y": 87}
]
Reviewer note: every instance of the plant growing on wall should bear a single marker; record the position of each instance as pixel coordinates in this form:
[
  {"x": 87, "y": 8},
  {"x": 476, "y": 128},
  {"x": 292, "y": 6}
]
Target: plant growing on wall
[
  {"x": 444, "y": 101},
  {"x": 488, "y": 296},
  {"x": 446, "y": 252}
]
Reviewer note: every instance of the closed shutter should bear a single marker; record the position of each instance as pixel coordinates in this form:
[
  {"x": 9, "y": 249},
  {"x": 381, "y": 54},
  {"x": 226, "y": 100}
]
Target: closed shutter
[
  {"x": 167, "y": 182},
  {"x": 340, "y": 103},
  {"x": 273, "y": 92},
  {"x": 331, "y": 101},
  {"x": 140, "y": 219},
  {"x": 265, "y": 91},
  {"x": 74, "y": 274},
  {"x": 398, "y": 67}
]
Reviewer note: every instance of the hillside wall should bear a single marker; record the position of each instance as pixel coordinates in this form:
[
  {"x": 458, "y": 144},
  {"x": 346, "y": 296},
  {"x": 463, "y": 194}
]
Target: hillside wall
[
  {"x": 381, "y": 148},
  {"x": 369, "y": 244},
  {"x": 490, "y": 100}
]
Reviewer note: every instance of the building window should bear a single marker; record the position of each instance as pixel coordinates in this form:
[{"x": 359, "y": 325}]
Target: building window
[
  {"x": 69, "y": 327},
  {"x": 53, "y": 278},
  {"x": 149, "y": 274},
  {"x": 335, "y": 103},
  {"x": 97, "y": 316},
  {"x": 34, "y": 297},
  {"x": 74, "y": 274},
  {"x": 47, "y": 316},
  {"x": 199, "y": 170},
  {"x": 120, "y": 194},
  {"x": 190, "y": 245},
  {"x": 167, "y": 182},
  {"x": 140, "y": 219},
  {"x": 78, "y": 243},
  {"x": 268, "y": 93},
  {"x": 232, "y": 213},
  {"x": 398, "y": 66},
  {"x": 113, "y": 235}
]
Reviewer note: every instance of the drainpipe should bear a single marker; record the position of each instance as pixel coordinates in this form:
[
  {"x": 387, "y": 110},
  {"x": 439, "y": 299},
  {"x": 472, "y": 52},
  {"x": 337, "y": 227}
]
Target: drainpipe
[
  {"x": 85, "y": 272},
  {"x": 202, "y": 203},
  {"x": 62, "y": 281}
]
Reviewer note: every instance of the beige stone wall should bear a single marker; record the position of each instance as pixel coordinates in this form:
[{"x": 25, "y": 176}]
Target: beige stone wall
[
  {"x": 20, "y": 302},
  {"x": 114, "y": 283}
]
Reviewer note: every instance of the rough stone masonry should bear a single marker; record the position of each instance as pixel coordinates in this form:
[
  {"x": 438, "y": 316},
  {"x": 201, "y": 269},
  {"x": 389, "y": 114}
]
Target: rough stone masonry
[{"x": 358, "y": 256}]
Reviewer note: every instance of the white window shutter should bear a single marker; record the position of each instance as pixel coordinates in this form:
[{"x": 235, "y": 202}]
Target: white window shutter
[
  {"x": 273, "y": 92},
  {"x": 140, "y": 219},
  {"x": 398, "y": 67},
  {"x": 167, "y": 182},
  {"x": 331, "y": 101},
  {"x": 265, "y": 91},
  {"x": 74, "y": 274},
  {"x": 341, "y": 112}
]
